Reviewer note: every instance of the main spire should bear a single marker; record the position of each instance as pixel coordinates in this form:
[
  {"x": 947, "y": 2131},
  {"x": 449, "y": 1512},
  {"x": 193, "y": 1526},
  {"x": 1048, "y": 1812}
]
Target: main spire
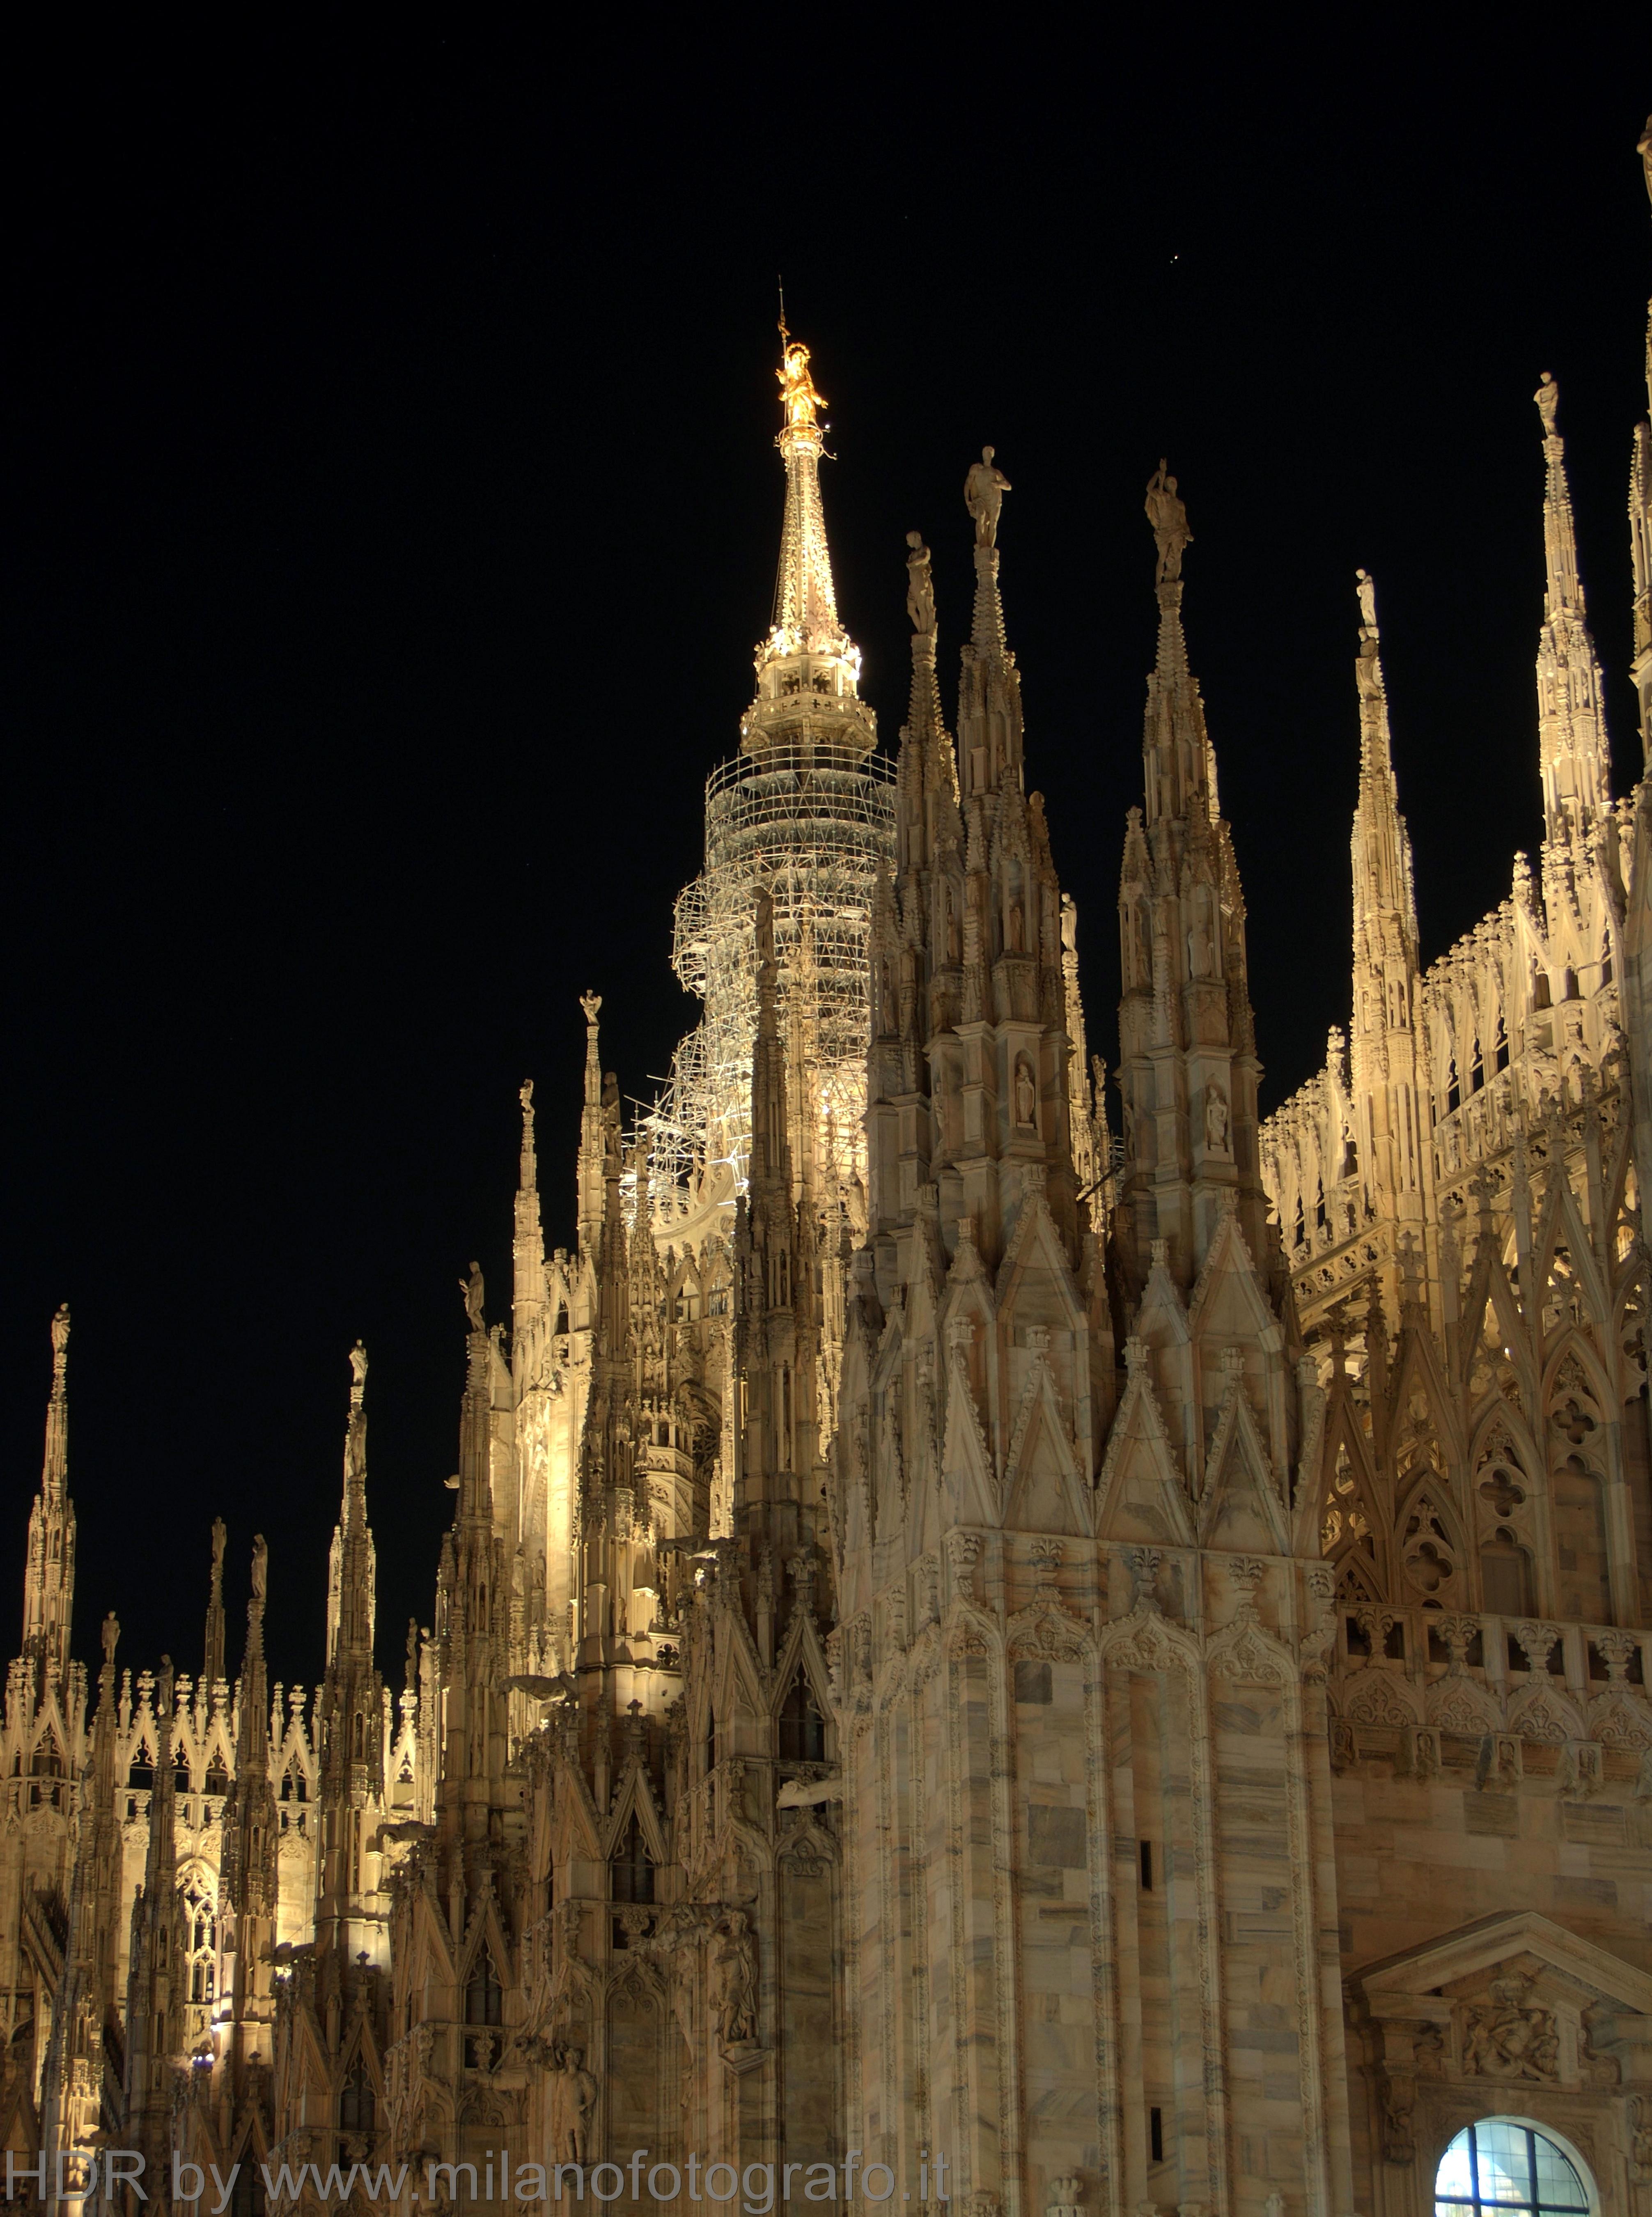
[{"x": 808, "y": 668}]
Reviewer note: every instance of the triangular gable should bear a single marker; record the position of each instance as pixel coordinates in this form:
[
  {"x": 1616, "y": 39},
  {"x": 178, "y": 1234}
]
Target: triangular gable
[
  {"x": 1396, "y": 1980},
  {"x": 1140, "y": 1495},
  {"x": 1044, "y": 1490},
  {"x": 1229, "y": 1302},
  {"x": 1239, "y": 1504}
]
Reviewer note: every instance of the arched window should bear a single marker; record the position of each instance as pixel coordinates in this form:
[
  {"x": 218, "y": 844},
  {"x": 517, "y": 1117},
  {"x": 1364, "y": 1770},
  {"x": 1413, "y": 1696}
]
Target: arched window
[
  {"x": 632, "y": 1873},
  {"x": 142, "y": 1772},
  {"x": 802, "y": 1728},
  {"x": 1503, "y": 2166},
  {"x": 200, "y": 1941},
  {"x": 247, "y": 2194},
  {"x": 1453, "y": 1090},
  {"x": 482, "y": 1995},
  {"x": 357, "y": 2109}
]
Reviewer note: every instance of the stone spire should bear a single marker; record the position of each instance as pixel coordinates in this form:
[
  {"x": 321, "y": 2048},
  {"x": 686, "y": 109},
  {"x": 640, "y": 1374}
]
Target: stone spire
[
  {"x": 1390, "y": 1142},
  {"x": 49, "y": 1580},
  {"x": 1576, "y": 762},
  {"x": 590, "y": 1136},
  {"x": 778, "y": 1496},
  {"x": 1189, "y": 1070},
  {"x": 73, "y": 2087},
  {"x": 808, "y": 668},
  {"x": 157, "y": 1975},
  {"x": 350, "y": 1916},
  {"x": 212, "y": 1669},
  {"x": 248, "y": 1877},
  {"x": 1639, "y": 516},
  {"x": 528, "y": 1246}
]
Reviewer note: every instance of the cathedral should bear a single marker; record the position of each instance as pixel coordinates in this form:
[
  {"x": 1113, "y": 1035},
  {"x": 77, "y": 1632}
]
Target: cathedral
[{"x": 1012, "y": 1635}]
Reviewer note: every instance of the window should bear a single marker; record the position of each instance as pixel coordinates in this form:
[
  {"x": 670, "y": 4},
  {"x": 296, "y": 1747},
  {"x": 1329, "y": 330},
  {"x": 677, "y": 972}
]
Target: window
[
  {"x": 1509, "y": 2168},
  {"x": 357, "y": 2106},
  {"x": 483, "y": 1998},
  {"x": 802, "y": 1728},
  {"x": 632, "y": 1873}
]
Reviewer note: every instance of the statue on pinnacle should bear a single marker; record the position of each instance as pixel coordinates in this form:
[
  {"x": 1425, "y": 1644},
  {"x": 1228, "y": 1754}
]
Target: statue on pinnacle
[
  {"x": 984, "y": 496},
  {"x": 1547, "y": 397},
  {"x": 1168, "y": 518},
  {"x": 920, "y": 587}
]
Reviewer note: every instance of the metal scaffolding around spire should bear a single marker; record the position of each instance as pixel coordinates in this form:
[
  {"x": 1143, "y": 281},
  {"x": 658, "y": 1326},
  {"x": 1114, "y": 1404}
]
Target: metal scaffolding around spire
[{"x": 805, "y": 812}]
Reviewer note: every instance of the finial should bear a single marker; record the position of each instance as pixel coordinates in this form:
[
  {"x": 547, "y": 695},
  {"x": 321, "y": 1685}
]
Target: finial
[
  {"x": 111, "y": 1637},
  {"x": 591, "y": 1003},
  {"x": 60, "y": 1340},
  {"x": 1168, "y": 518},
  {"x": 920, "y": 587},
  {"x": 1366, "y": 587},
  {"x": 472, "y": 1289},
  {"x": 525, "y": 1094},
  {"x": 1547, "y": 397},
  {"x": 984, "y": 496}
]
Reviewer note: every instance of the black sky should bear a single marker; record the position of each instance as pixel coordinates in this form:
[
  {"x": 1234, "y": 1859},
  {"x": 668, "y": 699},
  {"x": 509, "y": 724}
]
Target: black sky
[{"x": 392, "y": 511}]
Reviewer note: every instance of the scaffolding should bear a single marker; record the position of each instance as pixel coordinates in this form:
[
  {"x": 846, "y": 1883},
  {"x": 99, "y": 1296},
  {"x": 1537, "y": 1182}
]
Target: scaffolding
[{"x": 809, "y": 822}]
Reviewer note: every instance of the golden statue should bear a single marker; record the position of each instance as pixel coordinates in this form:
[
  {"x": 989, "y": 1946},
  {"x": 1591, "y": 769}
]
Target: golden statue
[{"x": 798, "y": 395}]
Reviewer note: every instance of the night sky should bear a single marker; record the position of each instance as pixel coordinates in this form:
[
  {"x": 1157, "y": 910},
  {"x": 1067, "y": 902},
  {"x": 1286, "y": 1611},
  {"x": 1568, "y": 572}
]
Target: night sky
[{"x": 392, "y": 508}]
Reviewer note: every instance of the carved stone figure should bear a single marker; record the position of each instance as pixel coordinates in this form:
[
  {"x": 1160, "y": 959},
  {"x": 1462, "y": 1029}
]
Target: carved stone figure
[
  {"x": 736, "y": 1964},
  {"x": 1027, "y": 1097},
  {"x": 1366, "y": 586},
  {"x": 1216, "y": 1119},
  {"x": 984, "y": 496},
  {"x": 1508, "y": 2038},
  {"x": 1168, "y": 518},
  {"x": 573, "y": 2097},
  {"x": 472, "y": 1290},
  {"x": 1547, "y": 397},
  {"x": 920, "y": 587},
  {"x": 260, "y": 1569}
]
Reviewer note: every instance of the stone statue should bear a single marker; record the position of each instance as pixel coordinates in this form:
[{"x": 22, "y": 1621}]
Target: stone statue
[
  {"x": 1216, "y": 1119},
  {"x": 1027, "y": 1099},
  {"x": 60, "y": 1335},
  {"x": 260, "y": 1569},
  {"x": 736, "y": 1963},
  {"x": 1366, "y": 586},
  {"x": 1169, "y": 521},
  {"x": 472, "y": 1290},
  {"x": 573, "y": 2097},
  {"x": 220, "y": 1535},
  {"x": 111, "y": 1636},
  {"x": 984, "y": 496},
  {"x": 1068, "y": 925},
  {"x": 1547, "y": 397},
  {"x": 920, "y": 587},
  {"x": 359, "y": 1365}
]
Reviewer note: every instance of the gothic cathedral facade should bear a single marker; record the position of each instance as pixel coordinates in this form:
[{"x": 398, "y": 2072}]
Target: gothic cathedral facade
[{"x": 1047, "y": 1640}]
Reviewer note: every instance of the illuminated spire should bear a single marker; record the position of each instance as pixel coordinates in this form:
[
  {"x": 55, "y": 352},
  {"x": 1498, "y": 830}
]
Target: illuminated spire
[
  {"x": 49, "y": 1580},
  {"x": 808, "y": 668},
  {"x": 1575, "y": 764}
]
